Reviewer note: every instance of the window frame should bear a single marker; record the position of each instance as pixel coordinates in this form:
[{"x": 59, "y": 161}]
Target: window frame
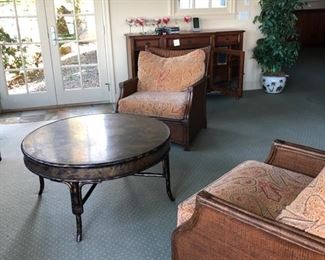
[{"x": 176, "y": 11}]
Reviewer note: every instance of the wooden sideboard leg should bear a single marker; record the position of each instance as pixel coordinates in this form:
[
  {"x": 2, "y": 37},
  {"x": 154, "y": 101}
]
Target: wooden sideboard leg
[
  {"x": 77, "y": 206},
  {"x": 167, "y": 177},
  {"x": 187, "y": 147},
  {"x": 41, "y": 185}
]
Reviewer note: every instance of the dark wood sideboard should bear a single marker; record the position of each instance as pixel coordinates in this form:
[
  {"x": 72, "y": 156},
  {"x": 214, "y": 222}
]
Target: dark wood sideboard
[{"x": 227, "y": 57}]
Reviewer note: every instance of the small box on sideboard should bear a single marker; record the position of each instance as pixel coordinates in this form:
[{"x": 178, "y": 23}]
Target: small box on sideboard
[{"x": 226, "y": 62}]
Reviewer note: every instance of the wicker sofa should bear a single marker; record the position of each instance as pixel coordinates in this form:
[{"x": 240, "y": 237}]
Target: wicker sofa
[{"x": 249, "y": 213}]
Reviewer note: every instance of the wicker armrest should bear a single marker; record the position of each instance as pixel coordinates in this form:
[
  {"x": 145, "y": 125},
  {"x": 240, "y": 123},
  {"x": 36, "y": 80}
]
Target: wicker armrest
[
  {"x": 220, "y": 230},
  {"x": 298, "y": 158},
  {"x": 197, "y": 98},
  {"x": 200, "y": 85},
  {"x": 128, "y": 87}
]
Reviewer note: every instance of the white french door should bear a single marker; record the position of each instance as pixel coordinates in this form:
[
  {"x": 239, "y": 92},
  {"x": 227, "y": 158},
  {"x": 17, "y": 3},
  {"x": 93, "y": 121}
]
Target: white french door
[{"x": 53, "y": 52}]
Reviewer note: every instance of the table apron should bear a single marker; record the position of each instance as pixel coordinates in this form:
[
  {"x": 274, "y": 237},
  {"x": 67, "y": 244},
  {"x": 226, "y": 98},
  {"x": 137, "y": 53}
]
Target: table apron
[{"x": 101, "y": 173}]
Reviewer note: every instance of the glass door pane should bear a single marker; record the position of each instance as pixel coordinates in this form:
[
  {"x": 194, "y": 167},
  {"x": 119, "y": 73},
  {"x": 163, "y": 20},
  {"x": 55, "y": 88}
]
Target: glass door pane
[
  {"x": 20, "y": 46},
  {"x": 22, "y": 59},
  {"x": 76, "y": 29},
  {"x": 50, "y": 53},
  {"x": 78, "y": 54}
]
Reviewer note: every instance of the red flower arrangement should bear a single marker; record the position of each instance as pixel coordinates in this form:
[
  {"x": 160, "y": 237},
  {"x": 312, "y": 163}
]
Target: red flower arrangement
[
  {"x": 166, "y": 20},
  {"x": 157, "y": 21},
  {"x": 140, "y": 21},
  {"x": 187, "y": 19}
]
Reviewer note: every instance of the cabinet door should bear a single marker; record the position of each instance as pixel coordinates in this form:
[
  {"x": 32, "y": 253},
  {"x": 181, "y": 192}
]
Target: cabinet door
[{"x": 227, "y": 71}]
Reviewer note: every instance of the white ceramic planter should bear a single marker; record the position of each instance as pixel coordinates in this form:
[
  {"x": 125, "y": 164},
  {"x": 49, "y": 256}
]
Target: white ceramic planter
[{"x": 273, "y": 84}]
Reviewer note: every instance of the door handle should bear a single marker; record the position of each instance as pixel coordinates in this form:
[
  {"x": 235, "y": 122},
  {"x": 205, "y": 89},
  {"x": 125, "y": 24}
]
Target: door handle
[{"x": 53, "y": 36}]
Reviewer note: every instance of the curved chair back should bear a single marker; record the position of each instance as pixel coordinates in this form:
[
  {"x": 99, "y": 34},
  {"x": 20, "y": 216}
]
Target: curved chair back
[{"x": 174, "y": 53}]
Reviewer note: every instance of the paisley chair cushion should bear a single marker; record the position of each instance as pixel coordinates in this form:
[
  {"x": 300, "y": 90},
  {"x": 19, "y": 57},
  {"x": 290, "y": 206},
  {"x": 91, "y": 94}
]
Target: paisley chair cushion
[
  {"x": 307, "y": 211},
  {"x": 171, "y": 105},
  {"x": 254, "y": 186},
  {"x": 173, "y": 74}
]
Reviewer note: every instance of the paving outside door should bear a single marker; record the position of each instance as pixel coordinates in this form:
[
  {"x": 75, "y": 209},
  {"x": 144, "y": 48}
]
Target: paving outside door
[{"x": 51, "y": 53}]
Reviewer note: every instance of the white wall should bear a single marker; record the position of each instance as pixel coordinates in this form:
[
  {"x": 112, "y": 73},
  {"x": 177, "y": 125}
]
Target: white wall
[{"x": 121, "y": 9}]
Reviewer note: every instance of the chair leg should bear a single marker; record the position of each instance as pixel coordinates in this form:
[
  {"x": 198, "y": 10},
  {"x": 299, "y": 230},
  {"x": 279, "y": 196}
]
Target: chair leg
[
  {"x": 187, "y": 139},
  {"x": 187, "y": 147},
  {"x": 205, "y": 124}
]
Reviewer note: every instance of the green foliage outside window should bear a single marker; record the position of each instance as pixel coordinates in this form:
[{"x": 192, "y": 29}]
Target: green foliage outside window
[
  {"x": 13, "y": 59},
  {"x": 11, "y": 56},
  {"x": 61, "y": 23}
]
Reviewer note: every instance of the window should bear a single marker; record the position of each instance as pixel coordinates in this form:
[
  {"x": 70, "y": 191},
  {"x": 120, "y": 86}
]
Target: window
[
  {"x": 194, "y": 4},
  {"x": 201, "y": 7}
]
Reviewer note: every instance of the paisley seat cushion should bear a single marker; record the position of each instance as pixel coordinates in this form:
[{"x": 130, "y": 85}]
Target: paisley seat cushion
[
  {"x": 254, "y": 186},
  {"x": 307, "y": 211},
  {"x": 170, "y": 105}
]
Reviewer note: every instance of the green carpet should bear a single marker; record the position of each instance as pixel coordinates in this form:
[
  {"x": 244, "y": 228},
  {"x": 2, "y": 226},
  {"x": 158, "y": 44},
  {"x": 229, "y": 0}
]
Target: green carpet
[{"x": 132, "y": 218}]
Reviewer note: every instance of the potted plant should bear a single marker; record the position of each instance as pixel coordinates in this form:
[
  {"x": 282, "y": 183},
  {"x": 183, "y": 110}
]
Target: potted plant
[{"x": 278, "y": 48}]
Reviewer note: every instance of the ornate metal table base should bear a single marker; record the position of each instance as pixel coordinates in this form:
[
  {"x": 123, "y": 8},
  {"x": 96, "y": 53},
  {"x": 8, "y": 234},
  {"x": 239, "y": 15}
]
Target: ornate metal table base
[{"x": 77, "y": 201}]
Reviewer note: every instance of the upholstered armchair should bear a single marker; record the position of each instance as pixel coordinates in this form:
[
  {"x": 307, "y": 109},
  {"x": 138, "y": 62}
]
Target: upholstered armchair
[
  {"x": 271, "y": 210},
  {"x": 171, "y": 86}
]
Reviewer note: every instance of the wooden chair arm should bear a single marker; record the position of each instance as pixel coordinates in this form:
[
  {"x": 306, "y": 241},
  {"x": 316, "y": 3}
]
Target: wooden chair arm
[
  {"x": 127, "y": 88},
  {"x": 220, "y": 230},
  {"x": 196, "y": 95},
  {"x": 198, "y": 86},
  {"x": 298, "y": 158}
]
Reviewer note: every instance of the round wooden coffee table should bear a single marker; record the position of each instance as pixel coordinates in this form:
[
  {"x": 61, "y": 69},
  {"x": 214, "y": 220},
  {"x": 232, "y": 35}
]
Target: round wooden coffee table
[{"x": 95, "y": 148}]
